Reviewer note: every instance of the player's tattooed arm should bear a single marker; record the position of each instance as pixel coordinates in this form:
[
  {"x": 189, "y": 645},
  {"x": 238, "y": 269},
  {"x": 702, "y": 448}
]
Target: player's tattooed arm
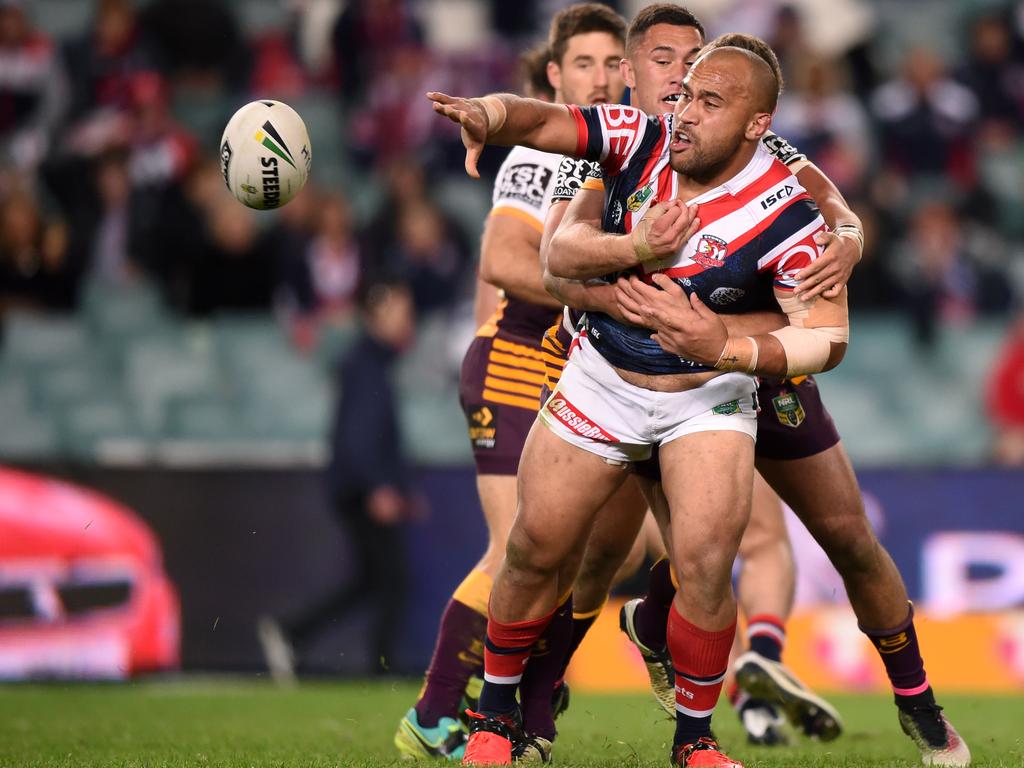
[
  {"x": 844, "y": 245},
  {"x": 507, "y": 120},
  {"x": 814, "y": 339},
  {"x": 581, "y": 249}
]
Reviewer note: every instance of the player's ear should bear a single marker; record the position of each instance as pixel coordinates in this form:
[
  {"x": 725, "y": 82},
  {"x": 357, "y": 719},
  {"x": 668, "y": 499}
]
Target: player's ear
[
  {"x": 626, "y": 70},
  {"x": 555, "y": 76},
  {"x": 758, "y": 125}
]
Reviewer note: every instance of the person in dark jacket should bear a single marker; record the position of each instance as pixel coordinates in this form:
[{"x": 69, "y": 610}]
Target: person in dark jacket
[{"x": 368, "y": 480}]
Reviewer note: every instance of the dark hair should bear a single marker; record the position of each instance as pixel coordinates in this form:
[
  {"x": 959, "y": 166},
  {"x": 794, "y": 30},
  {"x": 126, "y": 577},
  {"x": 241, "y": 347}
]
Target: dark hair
[
  {"x": 579, "y": 19},
  {"x": 755, "y": 45},
  {"x": 661, "y": 13},
  {"x": 374, "y": 290},
  {"x": 533, "y": 72}
]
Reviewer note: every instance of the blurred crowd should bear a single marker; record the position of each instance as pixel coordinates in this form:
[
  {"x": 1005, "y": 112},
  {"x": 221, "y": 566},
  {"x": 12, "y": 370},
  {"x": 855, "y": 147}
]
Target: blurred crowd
[{"x": 100, "y": 177}]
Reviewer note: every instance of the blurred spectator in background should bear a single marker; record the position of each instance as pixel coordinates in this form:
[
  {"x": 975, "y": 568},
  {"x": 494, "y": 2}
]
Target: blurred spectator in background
[
  {"x": 431, "y": 256},
  {"x": 109, "y": 256},
  {"x": 319, "y": 270},
  {"x": 34, "y": 268},
  {"x": 1006, "y": 398},
  {"x": 233, "y": 271},
  {"x": 944, "y": 279},
  {"x": 369, "y": 482},
  {"x": 992, "y": 73},
  {"x": 199, "y": 42},
  {"x": 32, "y": 92},
  {"x": 371, "y": 37},
  {"x": 100, "y": 66},
  {"x": 926, "y": 120},
  {"x": 818, "y": 114}
]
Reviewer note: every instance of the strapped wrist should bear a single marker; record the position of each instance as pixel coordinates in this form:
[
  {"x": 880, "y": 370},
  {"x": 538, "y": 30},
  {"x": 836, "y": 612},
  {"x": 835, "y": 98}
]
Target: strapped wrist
[
  {"x": 738, "y": 355},
  {"x": 495, "y": 111}
]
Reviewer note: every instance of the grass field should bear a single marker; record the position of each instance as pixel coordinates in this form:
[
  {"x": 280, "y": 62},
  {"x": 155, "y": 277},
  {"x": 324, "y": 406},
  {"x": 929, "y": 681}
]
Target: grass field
[{"x": 241, "y": 724}]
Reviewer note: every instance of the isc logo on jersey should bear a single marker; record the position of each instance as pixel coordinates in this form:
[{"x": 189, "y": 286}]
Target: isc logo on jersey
[{"x": 265, "y": 154}]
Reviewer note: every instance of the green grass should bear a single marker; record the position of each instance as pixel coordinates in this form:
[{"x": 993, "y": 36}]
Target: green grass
[{"x": 241, "y": 724}]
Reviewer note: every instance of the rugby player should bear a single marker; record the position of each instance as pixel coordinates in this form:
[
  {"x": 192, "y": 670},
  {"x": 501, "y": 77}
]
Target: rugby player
[
  {"x": 500, "y": 390},
  {"x": 662, "y": 41},
  {"x": 799, "y": 452},
  {"x": 702, "y": 417}
]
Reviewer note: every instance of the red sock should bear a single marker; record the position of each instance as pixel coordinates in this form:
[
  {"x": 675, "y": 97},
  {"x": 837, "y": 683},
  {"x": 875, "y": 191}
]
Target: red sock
[
  {"x": 700, "y": 659},
  {"x": 506, "y": 651}
]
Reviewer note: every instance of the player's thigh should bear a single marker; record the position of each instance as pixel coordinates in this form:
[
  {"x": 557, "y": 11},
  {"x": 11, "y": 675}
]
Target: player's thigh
[
  {"x": 561, "y": 488},
  {"x": 498, "y": 498},
  {"x": 707, "y": 478},
  {"x": 822, "y": 490},
  {"x": 767, "y": 526}
]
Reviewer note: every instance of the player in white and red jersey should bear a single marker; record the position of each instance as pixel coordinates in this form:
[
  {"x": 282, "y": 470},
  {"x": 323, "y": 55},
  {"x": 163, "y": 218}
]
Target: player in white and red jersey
[
  {"x": 800, "y": 454},
  {"x": 662, "y": 41},
  {"x": 620, "y": 395}
]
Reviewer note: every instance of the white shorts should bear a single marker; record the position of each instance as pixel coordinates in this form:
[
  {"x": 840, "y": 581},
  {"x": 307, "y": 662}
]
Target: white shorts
[{"x": 594, "y": 409}]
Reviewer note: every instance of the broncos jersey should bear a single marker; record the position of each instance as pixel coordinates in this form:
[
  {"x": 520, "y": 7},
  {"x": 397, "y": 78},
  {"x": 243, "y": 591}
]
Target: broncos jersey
[{"x": 756, "y": 229}]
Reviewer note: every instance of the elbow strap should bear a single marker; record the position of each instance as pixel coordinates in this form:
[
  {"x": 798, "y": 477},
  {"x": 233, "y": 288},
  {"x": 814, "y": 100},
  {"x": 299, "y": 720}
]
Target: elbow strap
[{"x": 814, "y": 327}]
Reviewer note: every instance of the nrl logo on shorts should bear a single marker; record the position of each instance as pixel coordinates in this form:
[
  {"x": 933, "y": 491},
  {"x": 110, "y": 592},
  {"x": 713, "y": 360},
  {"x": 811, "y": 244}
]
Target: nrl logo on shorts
[
  {"x": 636, "y": 201},
  {"x": 788, "y": 409},
  {"x": 711, "y": 251}
]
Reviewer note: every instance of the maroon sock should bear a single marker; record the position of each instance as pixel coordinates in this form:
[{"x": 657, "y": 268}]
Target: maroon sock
[
  {"x": 458, "y": 655},
  {"x": 901, "y": 654},
  {"x": 507, "y": 650},
  {"x": 580, "y": 627},
  {"x": 544, "y": 672},
  {"x": 651, "y": 616}
]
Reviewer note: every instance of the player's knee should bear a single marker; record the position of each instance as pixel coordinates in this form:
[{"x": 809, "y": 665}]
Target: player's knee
[
  {"x": 529, "y": 554},
  {"x": 707, "y": 570}
]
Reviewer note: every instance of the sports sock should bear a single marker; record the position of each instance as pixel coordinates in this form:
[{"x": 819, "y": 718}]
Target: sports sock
[
  {"x": 700, "y": 658},
  {"x": 506, "y": 651},
  {"x": 651, "y": 616},
  {"x": 544, "y": 672},
  {"x": 458, "y": 652},
  {"x": 581, "y": 624},
  {"x": 901, "y": 655},
  {"x": 766, "y": 634}
]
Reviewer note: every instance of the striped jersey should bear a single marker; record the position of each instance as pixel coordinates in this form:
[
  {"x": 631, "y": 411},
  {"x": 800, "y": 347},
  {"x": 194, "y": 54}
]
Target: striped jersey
[
  {"x": 756, "y": 229},
  {"x": 523, "y": 190}
]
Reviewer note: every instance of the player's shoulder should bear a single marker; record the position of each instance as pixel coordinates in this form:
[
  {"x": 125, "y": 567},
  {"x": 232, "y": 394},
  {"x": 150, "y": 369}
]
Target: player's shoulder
[
  {"x": 525, "y": 180},
  {"x": 781, "y": 149},
  {"x": 571, "y": 176}
]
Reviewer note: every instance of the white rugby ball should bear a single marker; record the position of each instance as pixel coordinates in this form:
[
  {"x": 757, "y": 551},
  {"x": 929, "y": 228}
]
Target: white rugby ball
[{"x": 265, "y": 154}]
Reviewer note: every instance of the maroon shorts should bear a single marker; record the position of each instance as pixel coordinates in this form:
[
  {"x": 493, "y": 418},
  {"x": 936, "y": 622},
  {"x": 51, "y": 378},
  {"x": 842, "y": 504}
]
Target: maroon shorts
[
  {"x": 791, "y": 424},
  {"x": 500, "y": 390}
]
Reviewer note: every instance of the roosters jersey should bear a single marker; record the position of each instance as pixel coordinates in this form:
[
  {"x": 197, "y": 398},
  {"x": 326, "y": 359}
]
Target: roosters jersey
[
  {"x": 756, "y": 229},
  {"x": 523, "y": 190}
]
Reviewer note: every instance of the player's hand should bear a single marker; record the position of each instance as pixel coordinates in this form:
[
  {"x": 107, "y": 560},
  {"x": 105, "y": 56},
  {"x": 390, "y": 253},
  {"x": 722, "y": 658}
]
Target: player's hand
[
  {"x": 665, "y": 229},
  {"x": 682, "y": 325},
  {"x": 828, "y": 274},
  {"x": 472, "y": 117},
  {"x": 386, "y": 505}
]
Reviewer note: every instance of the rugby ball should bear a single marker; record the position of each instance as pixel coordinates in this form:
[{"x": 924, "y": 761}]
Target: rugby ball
[{"x": 265, "y": 154}]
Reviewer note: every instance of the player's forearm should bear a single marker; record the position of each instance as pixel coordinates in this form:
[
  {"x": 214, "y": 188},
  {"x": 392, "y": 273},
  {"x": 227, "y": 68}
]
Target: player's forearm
[
  {"x": 772, "y": 358},
  {"x": 585, "y": 297},
  {"x": 754, "y": 323},
  {"x": 815, "y": 340},
  {"x": 533, "y": 123},
  {"x": 833, "y": 206},
  {"x": 522, "y": 280},
  {"x": 580, "y": 251}
]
